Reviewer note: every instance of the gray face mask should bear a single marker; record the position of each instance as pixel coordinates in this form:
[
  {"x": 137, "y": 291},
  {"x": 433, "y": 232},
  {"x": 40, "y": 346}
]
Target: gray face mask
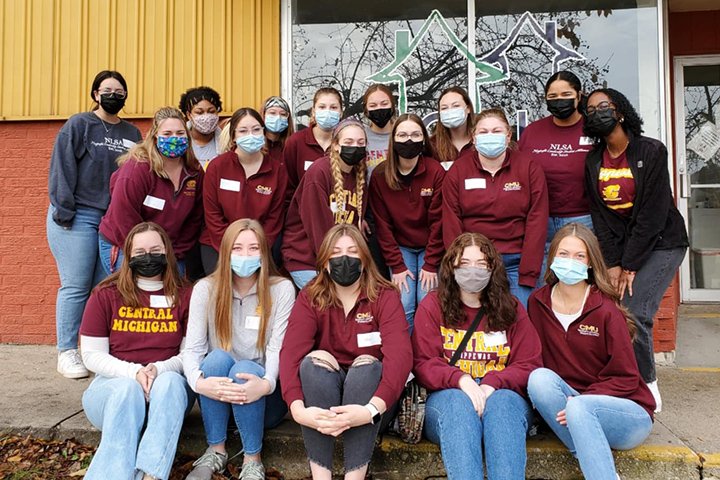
[{"x": 472, "y": 279}]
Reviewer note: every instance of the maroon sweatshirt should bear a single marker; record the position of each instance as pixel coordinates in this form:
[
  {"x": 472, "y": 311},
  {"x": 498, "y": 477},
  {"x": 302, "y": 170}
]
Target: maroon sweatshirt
[
  {"x": 409, "y": 217},
  {"x": 498, "y": 359},
  {"x": 137, "y": 195},
  {"x": 275, "y": 152},
  {"x": 301, "y": 149},
  {"x": 595, "y": 355},
  {"x": 313, "y": 211},
  {"x": 561, "y": 152},
  {"x": 448, "y": 163},
  {"x": 347, "y": 337},
  {"x": 510, "y": 208},
  {"x": 228, "y": 196}
]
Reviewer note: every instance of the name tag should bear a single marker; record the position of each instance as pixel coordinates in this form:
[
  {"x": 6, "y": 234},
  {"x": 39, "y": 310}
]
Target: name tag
[
  {"x": 231, "y": 185},
  {"x": 128, "y": 143},
  {"x": 252, "y": 322},
  {"x": 334, "y": 207},
  {"x": 154, "y": 202},
  {"x": 308, "y": 164},
  {"x": 474, "y": 183},
  {"x": 159, "y": 301},
  {"x": 368, "y": 339},
  {"x": 586, "y": 141},
  {"x": 446, "y": 165},
  {"x": 495, "y": 339}
]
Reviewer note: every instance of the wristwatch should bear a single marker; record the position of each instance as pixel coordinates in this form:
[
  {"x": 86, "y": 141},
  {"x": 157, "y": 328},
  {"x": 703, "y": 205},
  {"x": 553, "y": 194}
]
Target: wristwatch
[{"x": 374, "y": 413}]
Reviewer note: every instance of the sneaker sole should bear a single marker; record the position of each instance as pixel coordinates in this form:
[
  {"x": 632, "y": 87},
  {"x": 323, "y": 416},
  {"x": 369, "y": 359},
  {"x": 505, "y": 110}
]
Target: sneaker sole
[{"x": 73, "y": 376}]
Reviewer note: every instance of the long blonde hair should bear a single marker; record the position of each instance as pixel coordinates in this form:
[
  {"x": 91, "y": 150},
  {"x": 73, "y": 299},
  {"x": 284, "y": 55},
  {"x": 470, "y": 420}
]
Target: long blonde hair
[
  {"x": 222, "y": 282},
  {"x": 360, "y": 169}
]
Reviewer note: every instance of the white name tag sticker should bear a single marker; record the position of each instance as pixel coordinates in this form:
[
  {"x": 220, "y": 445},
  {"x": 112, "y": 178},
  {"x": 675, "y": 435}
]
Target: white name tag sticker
[
  {"x": 446, "y": 165},
  {"x": 334, "y": 207},
  {"x": 495, "y": 339},
  {"x": 308, "y": 164},
  {"x": 231, "y": 185},
  {"x": 369, "y": 339},
  {"x": 474, "y": 183},
  {"x": 159, "y": 301},
  {"x": 586, "y": 141},
  {"x": 154, "y": 202},
  {"x": 128, "y": 143},
  {"x": 252, "y": 322}
]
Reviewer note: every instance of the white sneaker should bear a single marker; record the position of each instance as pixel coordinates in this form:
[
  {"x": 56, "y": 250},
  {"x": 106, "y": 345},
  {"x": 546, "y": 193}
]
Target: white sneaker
[
  {"x": 653, "y": 386},
  {"x": 70, "y": 364}
]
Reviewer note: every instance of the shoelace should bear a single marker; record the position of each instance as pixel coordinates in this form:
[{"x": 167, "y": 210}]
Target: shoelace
[
  {"x": 75, "y": 358},
  {"x": 253, "y": 468},
  {"x": 210, "y": 459}
]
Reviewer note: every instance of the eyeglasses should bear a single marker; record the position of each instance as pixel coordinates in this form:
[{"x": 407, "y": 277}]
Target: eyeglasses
[
  {"x": 601, "y": 107},
  {"x": 244, "y": 131},
  {"x": 415, "y": 136},
  {"x": 118, "y": 93}
]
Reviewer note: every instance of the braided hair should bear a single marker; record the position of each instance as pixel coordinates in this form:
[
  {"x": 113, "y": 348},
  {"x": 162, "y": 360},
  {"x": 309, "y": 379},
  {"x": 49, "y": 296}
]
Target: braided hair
[{"x": 360, "y": 169}]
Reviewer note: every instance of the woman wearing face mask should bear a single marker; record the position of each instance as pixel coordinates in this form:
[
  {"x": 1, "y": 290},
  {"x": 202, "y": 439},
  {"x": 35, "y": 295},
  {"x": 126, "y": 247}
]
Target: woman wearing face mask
[
  {"x": 330, "y": 193},
  {"x": 238, "y": 317},
  {"x": 201, "y": 106},
  {"x": 159, "y": 180},
  {"x": 279, "y": 126},
  {"x": 348, "y": 357},
  {"x": 499, "y": 192},
  {"x": 590, "y": 392},
  {"x": 138, "y": 372},
  {"x": 403, "y": 197},
  {"x": 306, "y": 146},
  {"x": 641, "y": 233},
  {"x": 379, "y": 107},
  {"x": 82, "y": 161},
  {"x": 243, "y": 183},
  {"x": 454, "y": 130},
  {"x": 484, "y": 382}
]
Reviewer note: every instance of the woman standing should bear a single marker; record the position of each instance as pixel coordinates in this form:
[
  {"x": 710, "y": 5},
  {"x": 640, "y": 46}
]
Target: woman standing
[
  {"x": 238, "y": 317},
  {"x": 454, "y": 132},
  {"x": 478, "y": 401},
  {"x": 641, "y": 233},
  {"x": 82, "y": 161},
  {"x": 201, "y": 106},
  {"x": 379, "y": 107},
  {"x": 499, "y": 192},
  {"x": 590, "y": 392},
  {"x": 278, "y": 120},
  {"x": 348, "y": 357}
]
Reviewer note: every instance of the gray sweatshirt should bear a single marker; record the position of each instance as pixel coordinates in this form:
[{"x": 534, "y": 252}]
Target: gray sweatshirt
[{"x": 82, "y": 161}]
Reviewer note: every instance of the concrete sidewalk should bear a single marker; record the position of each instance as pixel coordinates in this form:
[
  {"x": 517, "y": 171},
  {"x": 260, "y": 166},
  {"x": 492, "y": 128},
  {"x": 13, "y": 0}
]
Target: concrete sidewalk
[{"x": 684, "y": 444}]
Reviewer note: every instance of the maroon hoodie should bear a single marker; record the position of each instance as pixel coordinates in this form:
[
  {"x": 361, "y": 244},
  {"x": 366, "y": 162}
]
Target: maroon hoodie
[
  {"x": 498, "y": 359},
  {"x": 595, "y": 355},
  {"x": 301, "y": 150}
]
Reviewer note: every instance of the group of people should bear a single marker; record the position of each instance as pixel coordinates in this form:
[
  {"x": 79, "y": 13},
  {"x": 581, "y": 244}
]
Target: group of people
[{"x": 400, "y": 244}]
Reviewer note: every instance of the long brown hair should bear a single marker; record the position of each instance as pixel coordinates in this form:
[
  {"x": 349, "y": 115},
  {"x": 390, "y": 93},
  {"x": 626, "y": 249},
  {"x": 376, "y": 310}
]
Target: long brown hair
[
  {"x": 321, "y": 290},
  {"x": 500, "y": 305},
  {"x": 360, "y": 169},
  {"x": 597, "y": 271},
  {"x": 124, "y": 278},
  {"x": 445, "y": 151},
  {"x": 222, "y": 282},
  {"x": 390, "y": 165}
]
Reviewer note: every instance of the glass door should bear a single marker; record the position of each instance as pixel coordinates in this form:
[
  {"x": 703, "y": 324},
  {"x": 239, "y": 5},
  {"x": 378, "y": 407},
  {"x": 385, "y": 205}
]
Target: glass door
[{"x": 697, "y": 115}]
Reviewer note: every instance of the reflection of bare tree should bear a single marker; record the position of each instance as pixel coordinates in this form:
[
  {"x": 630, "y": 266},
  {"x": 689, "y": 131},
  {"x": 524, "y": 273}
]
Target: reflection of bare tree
[{"x": 702, "y": 106}]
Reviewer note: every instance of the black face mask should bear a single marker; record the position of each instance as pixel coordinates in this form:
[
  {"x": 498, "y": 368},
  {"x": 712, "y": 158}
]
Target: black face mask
[
  {"x": 381, "y": 116},
  {"x": 409, "y": 149},
  {"x": 352, "y": 155},
  {"x": 600, "y": 123},
  {"x": 111, "y": 103},
  {"x": 148, "y": 265},
  {"x": 345, "y": 270},
  {"x": 561, "y": 108}
]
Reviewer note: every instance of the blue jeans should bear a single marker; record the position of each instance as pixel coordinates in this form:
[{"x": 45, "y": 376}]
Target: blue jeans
[
  {"x": 555, "y": 224},
  {"x": 75, "y": 252},
  {"x": 414, "y": 259},
  {"x": 595, "y": 423},
  {"x": 302, "y": 277},
  {"x": 451, "y": 421},
  {"x": 251, "y": 418},
  {"x": 117, "y": 406},
  {"x": 104, "y": 251},
  {"x": 512, "y": 268}
]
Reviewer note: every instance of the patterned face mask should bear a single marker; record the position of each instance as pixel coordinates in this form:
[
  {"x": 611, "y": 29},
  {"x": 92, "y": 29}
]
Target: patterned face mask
[
  {"x": 205, "y": 123},
  {"x": 172, "y": 147}
]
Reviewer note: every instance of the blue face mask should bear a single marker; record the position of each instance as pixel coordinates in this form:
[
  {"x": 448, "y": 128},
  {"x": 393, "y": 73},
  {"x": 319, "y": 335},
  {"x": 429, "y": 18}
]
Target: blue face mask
[
  {"x": 327, "y": 119},
  {"x": 172, "y": 147},
  {"x": 453, "y": 117},
  {"x": 569, "y": 271},
  {"x": 276, "y": 123},
  {"x": 491, "y": 145},
  {"x": 250, "y": 143},
  {"x": 244, "y": 266}
]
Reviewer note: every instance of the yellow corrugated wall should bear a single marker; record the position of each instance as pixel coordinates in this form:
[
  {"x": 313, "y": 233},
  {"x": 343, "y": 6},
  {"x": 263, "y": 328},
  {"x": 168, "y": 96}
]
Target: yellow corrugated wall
[{"x": 52, "y": 49}]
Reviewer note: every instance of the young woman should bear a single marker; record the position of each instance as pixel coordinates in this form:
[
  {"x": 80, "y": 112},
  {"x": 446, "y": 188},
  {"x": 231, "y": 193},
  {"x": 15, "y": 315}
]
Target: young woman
[
  {"x": 82, "y": 161},
  {"x": 590, "y": 392},
  {"x": 454, "y": 130},
  {"x": 201, "y": 106},
  {"x": 131, "y": 337},
  {"x": 479, "y": 403},
  {"x": 278, "y": 121},
  {"x": 330, "y": 193},
  {"x": 380, "y": 109},
  {"x": 348, "y": 357},
  {"x": 159, "y": 180},
  {"x": 499, "y": 192},
  {"x": 243, "y": 183},
  {"x": 641, "y": 233},
  {"x": 403, "y": 198},
  {"x": 238, "y": 317},
  {"x": 306, "y": 146}
]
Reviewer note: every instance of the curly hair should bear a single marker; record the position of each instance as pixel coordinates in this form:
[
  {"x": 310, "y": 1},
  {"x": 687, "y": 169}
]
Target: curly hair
[
  {"x": 193, "y": 96},
  {"x": 627, "y": 115}
]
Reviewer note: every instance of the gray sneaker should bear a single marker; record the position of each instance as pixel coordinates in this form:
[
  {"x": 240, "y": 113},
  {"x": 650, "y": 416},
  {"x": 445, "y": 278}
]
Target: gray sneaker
[
  {"x": 252, "y": 471},
  {"x": 210, "y": 462}
]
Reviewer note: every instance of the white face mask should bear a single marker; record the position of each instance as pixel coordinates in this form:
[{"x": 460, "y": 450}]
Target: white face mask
[{"x": 453, "y": 117}]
